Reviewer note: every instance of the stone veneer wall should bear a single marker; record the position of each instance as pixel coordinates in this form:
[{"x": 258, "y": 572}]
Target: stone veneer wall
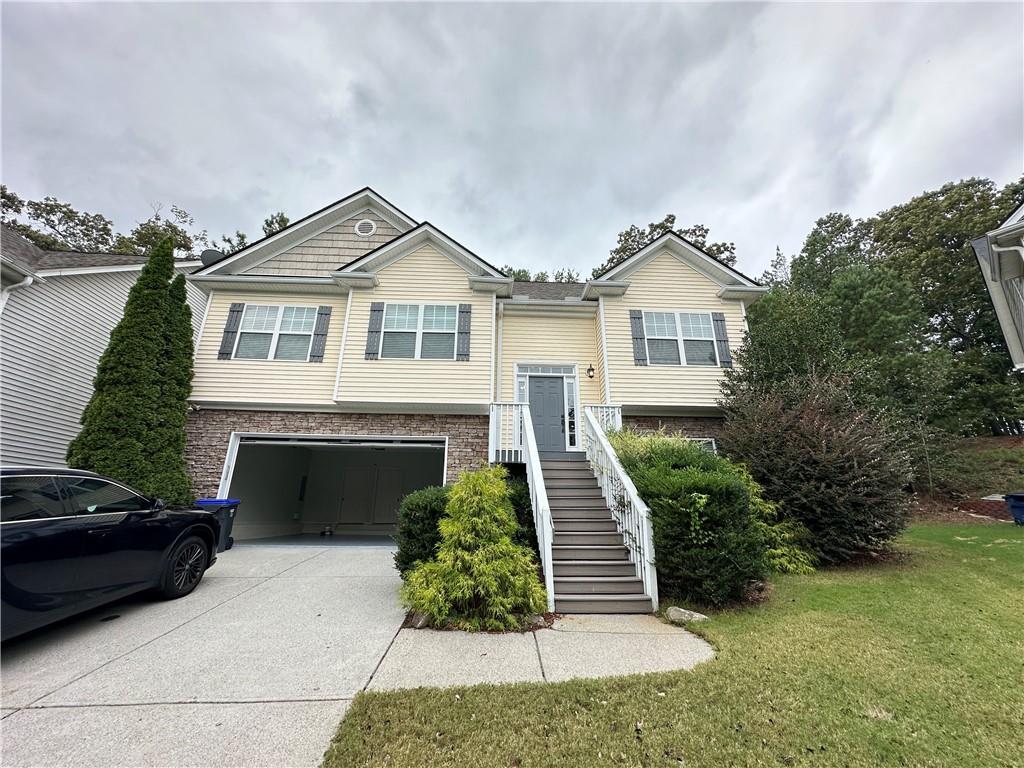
[
  {"x": 687, "y": 426},
  {"x": 209, "y": 431}
]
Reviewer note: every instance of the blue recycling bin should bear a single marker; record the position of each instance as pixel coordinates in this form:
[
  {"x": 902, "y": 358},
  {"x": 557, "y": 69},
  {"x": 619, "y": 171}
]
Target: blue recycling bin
[
  {"x": 225, "y": 510},
  {"x": 1015, "y": 501}
]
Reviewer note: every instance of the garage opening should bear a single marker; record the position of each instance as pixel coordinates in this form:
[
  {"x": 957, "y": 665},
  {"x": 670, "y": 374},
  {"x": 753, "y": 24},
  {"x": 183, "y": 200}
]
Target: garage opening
[{"x": 321, "y": 490}]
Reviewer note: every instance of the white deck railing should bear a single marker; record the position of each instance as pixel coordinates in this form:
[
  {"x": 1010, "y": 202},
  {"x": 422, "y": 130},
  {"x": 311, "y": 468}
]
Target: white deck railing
[
  {"x": 608, "y": 416},
  {"x": 631, "y": 514}
]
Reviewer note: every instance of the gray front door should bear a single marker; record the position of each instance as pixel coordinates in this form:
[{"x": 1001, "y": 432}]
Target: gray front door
[{"x": 547, "y": 409}]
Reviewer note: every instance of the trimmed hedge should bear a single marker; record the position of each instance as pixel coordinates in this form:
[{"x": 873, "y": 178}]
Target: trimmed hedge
[
  {"x": 418, "y": 534},
  {"x": 709, "y": 542}
]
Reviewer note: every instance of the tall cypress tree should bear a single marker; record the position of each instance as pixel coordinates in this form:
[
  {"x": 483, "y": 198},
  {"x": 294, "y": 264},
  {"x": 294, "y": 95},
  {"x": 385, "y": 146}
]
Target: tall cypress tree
[
  {"x": 170, "y": 476},
  {"x": 125, "y": 413}
]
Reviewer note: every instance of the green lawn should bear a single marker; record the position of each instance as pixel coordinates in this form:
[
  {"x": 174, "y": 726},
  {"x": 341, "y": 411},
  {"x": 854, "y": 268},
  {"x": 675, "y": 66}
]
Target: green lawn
[{"x": 918, "y": 662}]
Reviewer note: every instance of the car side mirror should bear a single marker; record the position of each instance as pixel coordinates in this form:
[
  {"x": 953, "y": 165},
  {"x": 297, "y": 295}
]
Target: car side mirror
[{"x": 159, "y": 505}]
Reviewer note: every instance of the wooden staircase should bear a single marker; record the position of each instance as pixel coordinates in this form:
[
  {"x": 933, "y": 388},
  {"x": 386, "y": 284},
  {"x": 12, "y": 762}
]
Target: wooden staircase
[{"x": 592, "y": 569}]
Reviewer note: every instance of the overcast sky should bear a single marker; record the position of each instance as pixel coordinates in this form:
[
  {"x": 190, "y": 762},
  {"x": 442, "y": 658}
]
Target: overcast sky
[{"x": 530, "y": 133}]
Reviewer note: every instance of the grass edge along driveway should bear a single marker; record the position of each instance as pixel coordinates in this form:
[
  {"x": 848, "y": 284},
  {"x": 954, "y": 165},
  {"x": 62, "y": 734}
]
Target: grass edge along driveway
[{"x": 919, "y": 661}]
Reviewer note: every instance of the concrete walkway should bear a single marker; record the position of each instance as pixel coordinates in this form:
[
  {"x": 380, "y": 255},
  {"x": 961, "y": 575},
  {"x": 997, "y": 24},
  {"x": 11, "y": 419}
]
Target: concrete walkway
[
  {"x": 258, "y": 666},
  {"x": 577, "y": 646}
]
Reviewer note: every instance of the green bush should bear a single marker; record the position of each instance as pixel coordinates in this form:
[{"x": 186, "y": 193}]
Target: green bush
[
  {"x": 418, "y": 534},
  {"x": 709, "y": 542},
  {"x": 519, "y": 495},
  {"x": 480, "y": 578},
  {"x": 837, "y": 469}
]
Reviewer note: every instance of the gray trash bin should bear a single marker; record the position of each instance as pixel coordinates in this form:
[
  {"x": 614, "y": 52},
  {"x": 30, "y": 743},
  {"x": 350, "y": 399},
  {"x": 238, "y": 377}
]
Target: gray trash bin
[{"x": 225, "y": 510}]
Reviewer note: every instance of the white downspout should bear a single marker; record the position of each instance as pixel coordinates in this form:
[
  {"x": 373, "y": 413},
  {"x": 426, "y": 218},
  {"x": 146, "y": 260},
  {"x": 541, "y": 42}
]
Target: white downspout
[{"x": 501, "y": 329}]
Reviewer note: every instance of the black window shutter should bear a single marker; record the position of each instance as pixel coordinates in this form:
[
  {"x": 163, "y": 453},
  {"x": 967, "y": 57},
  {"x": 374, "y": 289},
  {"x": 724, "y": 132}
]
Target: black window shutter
[
  {"x": 319, "y": 344},
  {"x": 636, "y": 323},
  {"x": 227, "y": 341},
  {"x": 373, "y": 332},
  {"x": 462, "y": 339},
  {"x": 721, "y": 339}
]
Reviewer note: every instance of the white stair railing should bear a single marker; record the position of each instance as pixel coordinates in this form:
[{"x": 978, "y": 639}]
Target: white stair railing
[
  {"x": 630, "y": 513},
  {"x": 541, "y": 508},
  {"x": 512, "y": 440}
]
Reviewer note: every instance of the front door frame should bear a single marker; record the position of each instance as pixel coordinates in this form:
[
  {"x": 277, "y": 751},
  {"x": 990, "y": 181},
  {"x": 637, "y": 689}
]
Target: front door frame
[{"x": 570, "y": 393}]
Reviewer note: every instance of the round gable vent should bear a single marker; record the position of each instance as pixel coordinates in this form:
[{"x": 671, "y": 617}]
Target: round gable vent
[{"x": 365, "y": 227}]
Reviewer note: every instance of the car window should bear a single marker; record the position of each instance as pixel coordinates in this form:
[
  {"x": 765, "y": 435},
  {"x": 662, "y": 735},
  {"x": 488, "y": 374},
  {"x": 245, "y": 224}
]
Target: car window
[
  {"x": 92, "y": 496},
  {"x": 33, "y": 497}
]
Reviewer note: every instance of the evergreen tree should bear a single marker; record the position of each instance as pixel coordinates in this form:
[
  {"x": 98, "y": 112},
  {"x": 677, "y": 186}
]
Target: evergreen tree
[
  {"x": 170, "y": 477},
  {"x": 125, "y": 414}
]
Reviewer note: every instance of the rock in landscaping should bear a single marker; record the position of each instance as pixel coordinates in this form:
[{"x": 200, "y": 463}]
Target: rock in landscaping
[
  {"x": 537, "y": 621},
  {"x": 681, "y": 615},
  {"x": 418, "y": 620}
]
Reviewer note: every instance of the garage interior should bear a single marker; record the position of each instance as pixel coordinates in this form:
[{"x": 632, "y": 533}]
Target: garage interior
[{"x": 293, "y": 489}]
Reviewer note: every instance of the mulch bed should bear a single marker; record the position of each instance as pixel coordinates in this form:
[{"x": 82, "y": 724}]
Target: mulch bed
[{"x": 944, "y": 510}]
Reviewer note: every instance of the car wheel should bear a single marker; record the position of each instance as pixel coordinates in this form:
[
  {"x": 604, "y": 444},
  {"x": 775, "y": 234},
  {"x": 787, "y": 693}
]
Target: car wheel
[{"x": 185, "y": 567}]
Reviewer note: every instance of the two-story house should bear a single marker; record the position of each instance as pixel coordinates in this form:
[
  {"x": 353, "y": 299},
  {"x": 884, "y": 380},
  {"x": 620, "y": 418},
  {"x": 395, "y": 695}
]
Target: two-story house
[{"x": 359, "y": 354}]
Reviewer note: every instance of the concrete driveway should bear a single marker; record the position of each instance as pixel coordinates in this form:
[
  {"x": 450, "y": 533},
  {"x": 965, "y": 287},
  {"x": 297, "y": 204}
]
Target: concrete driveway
[{"x": 254, "y": 668}]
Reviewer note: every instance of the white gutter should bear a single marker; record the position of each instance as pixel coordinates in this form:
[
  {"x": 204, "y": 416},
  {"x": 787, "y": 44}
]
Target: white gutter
[{"x": 7, "y": 291}]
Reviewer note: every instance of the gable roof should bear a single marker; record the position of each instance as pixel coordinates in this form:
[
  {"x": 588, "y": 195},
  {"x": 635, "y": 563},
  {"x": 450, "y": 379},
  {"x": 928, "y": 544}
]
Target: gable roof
[
  {"x": 416, "y": 237},
  {"x": 686, "y": 252},
  {"x": 308, "y": 226},
  {"x": 19, "y": 252}
]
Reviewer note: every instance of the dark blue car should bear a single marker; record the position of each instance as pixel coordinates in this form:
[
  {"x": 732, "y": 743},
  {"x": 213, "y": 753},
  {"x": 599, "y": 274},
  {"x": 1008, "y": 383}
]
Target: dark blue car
[{"x": 75, "y": 540}]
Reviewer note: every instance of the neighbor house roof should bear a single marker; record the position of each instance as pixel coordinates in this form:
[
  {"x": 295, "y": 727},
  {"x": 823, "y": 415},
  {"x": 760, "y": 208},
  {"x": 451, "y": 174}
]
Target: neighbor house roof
[{"x": 22, "y": 254}]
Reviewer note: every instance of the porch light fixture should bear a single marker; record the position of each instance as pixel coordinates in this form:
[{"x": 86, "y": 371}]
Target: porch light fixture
[{"x": 590, "y": 372}]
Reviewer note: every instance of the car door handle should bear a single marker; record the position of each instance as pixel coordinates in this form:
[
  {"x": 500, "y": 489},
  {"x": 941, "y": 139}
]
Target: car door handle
[{"x": 98, "y": 531}]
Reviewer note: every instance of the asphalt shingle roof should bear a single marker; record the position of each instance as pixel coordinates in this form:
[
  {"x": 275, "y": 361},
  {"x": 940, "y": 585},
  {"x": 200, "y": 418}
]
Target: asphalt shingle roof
[
  {"x": 28, "y": 254},
  {"x": 547, "y": 291}
]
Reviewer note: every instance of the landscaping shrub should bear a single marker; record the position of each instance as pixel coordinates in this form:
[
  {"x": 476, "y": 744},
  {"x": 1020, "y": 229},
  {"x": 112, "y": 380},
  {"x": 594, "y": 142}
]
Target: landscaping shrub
[
  {"x": 519, "y": 495},
  {"x": 708, "y": 540},
  {"x": 837, "y": 469},
  {"x": 418, "y": 534},
  {"x": 480, "y": 579}
]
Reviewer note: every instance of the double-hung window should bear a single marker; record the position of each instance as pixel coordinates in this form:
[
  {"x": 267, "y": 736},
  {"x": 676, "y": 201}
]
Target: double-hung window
[
  {"x": 269, "y": 332},
  {"x": 680, "y": 338},
  {"x": 425, "y": 331}
]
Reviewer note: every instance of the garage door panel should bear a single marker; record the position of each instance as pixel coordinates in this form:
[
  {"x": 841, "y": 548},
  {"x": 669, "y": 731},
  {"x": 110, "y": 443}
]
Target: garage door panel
[{"x": 389, "y": 494}]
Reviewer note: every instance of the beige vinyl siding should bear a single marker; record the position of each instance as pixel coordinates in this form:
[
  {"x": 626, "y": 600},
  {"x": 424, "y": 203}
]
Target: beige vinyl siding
[
  {"x": 599, "y": 362},
  {"x": 423, "y": 277},
  {"x": 547, "y": 337},
  {"x": 265, "y": 381},
  {"x": 329, "y": 250},
  {"x": 667, "y": 284}
]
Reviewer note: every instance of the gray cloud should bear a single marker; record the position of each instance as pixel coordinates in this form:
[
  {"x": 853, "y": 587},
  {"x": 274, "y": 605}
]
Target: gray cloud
[{"x": 531, "y": 133}]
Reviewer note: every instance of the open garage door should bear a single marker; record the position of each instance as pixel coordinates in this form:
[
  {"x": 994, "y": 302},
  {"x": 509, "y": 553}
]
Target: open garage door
[{"x": 303, "y": 486}]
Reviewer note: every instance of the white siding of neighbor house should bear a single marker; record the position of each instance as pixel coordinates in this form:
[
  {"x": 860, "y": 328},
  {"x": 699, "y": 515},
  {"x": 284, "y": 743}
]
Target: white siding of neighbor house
[
  {"x": 51, "y": 337},
  {"x": 667, "y": 284},
  {"x": 265, "y": 381},
  {"x": 329, "y": 250}
]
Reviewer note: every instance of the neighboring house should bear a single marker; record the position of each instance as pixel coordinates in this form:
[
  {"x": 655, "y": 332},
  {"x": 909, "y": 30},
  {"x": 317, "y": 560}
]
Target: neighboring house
[
  {"x": 57, "y": 311},
  {"x": 1001, "y": 257},
  {"x": 358, "y": 355}
]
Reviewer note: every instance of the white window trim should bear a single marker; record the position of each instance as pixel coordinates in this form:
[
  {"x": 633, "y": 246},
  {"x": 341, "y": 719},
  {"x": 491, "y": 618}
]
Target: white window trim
[
  {"x": 419, "y": 332},
  {"x": 679, "y": 338},
  {"x": 573, "y": 376},
  {"x": 274, "y": 334}
]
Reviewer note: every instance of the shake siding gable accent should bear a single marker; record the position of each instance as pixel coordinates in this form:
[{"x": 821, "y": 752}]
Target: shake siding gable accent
[
  {"x": 325, "y": 252},
  {"x": 227, "y": 340},
  {"x": 553, "y": 339},
  {"x": 319, "y": 343},
  {"x": 53, "y": 335},
  {"x": 286, "y": 382},
  {"x": 425, "y": 276},
  {"x": 665, "y": 284}
]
